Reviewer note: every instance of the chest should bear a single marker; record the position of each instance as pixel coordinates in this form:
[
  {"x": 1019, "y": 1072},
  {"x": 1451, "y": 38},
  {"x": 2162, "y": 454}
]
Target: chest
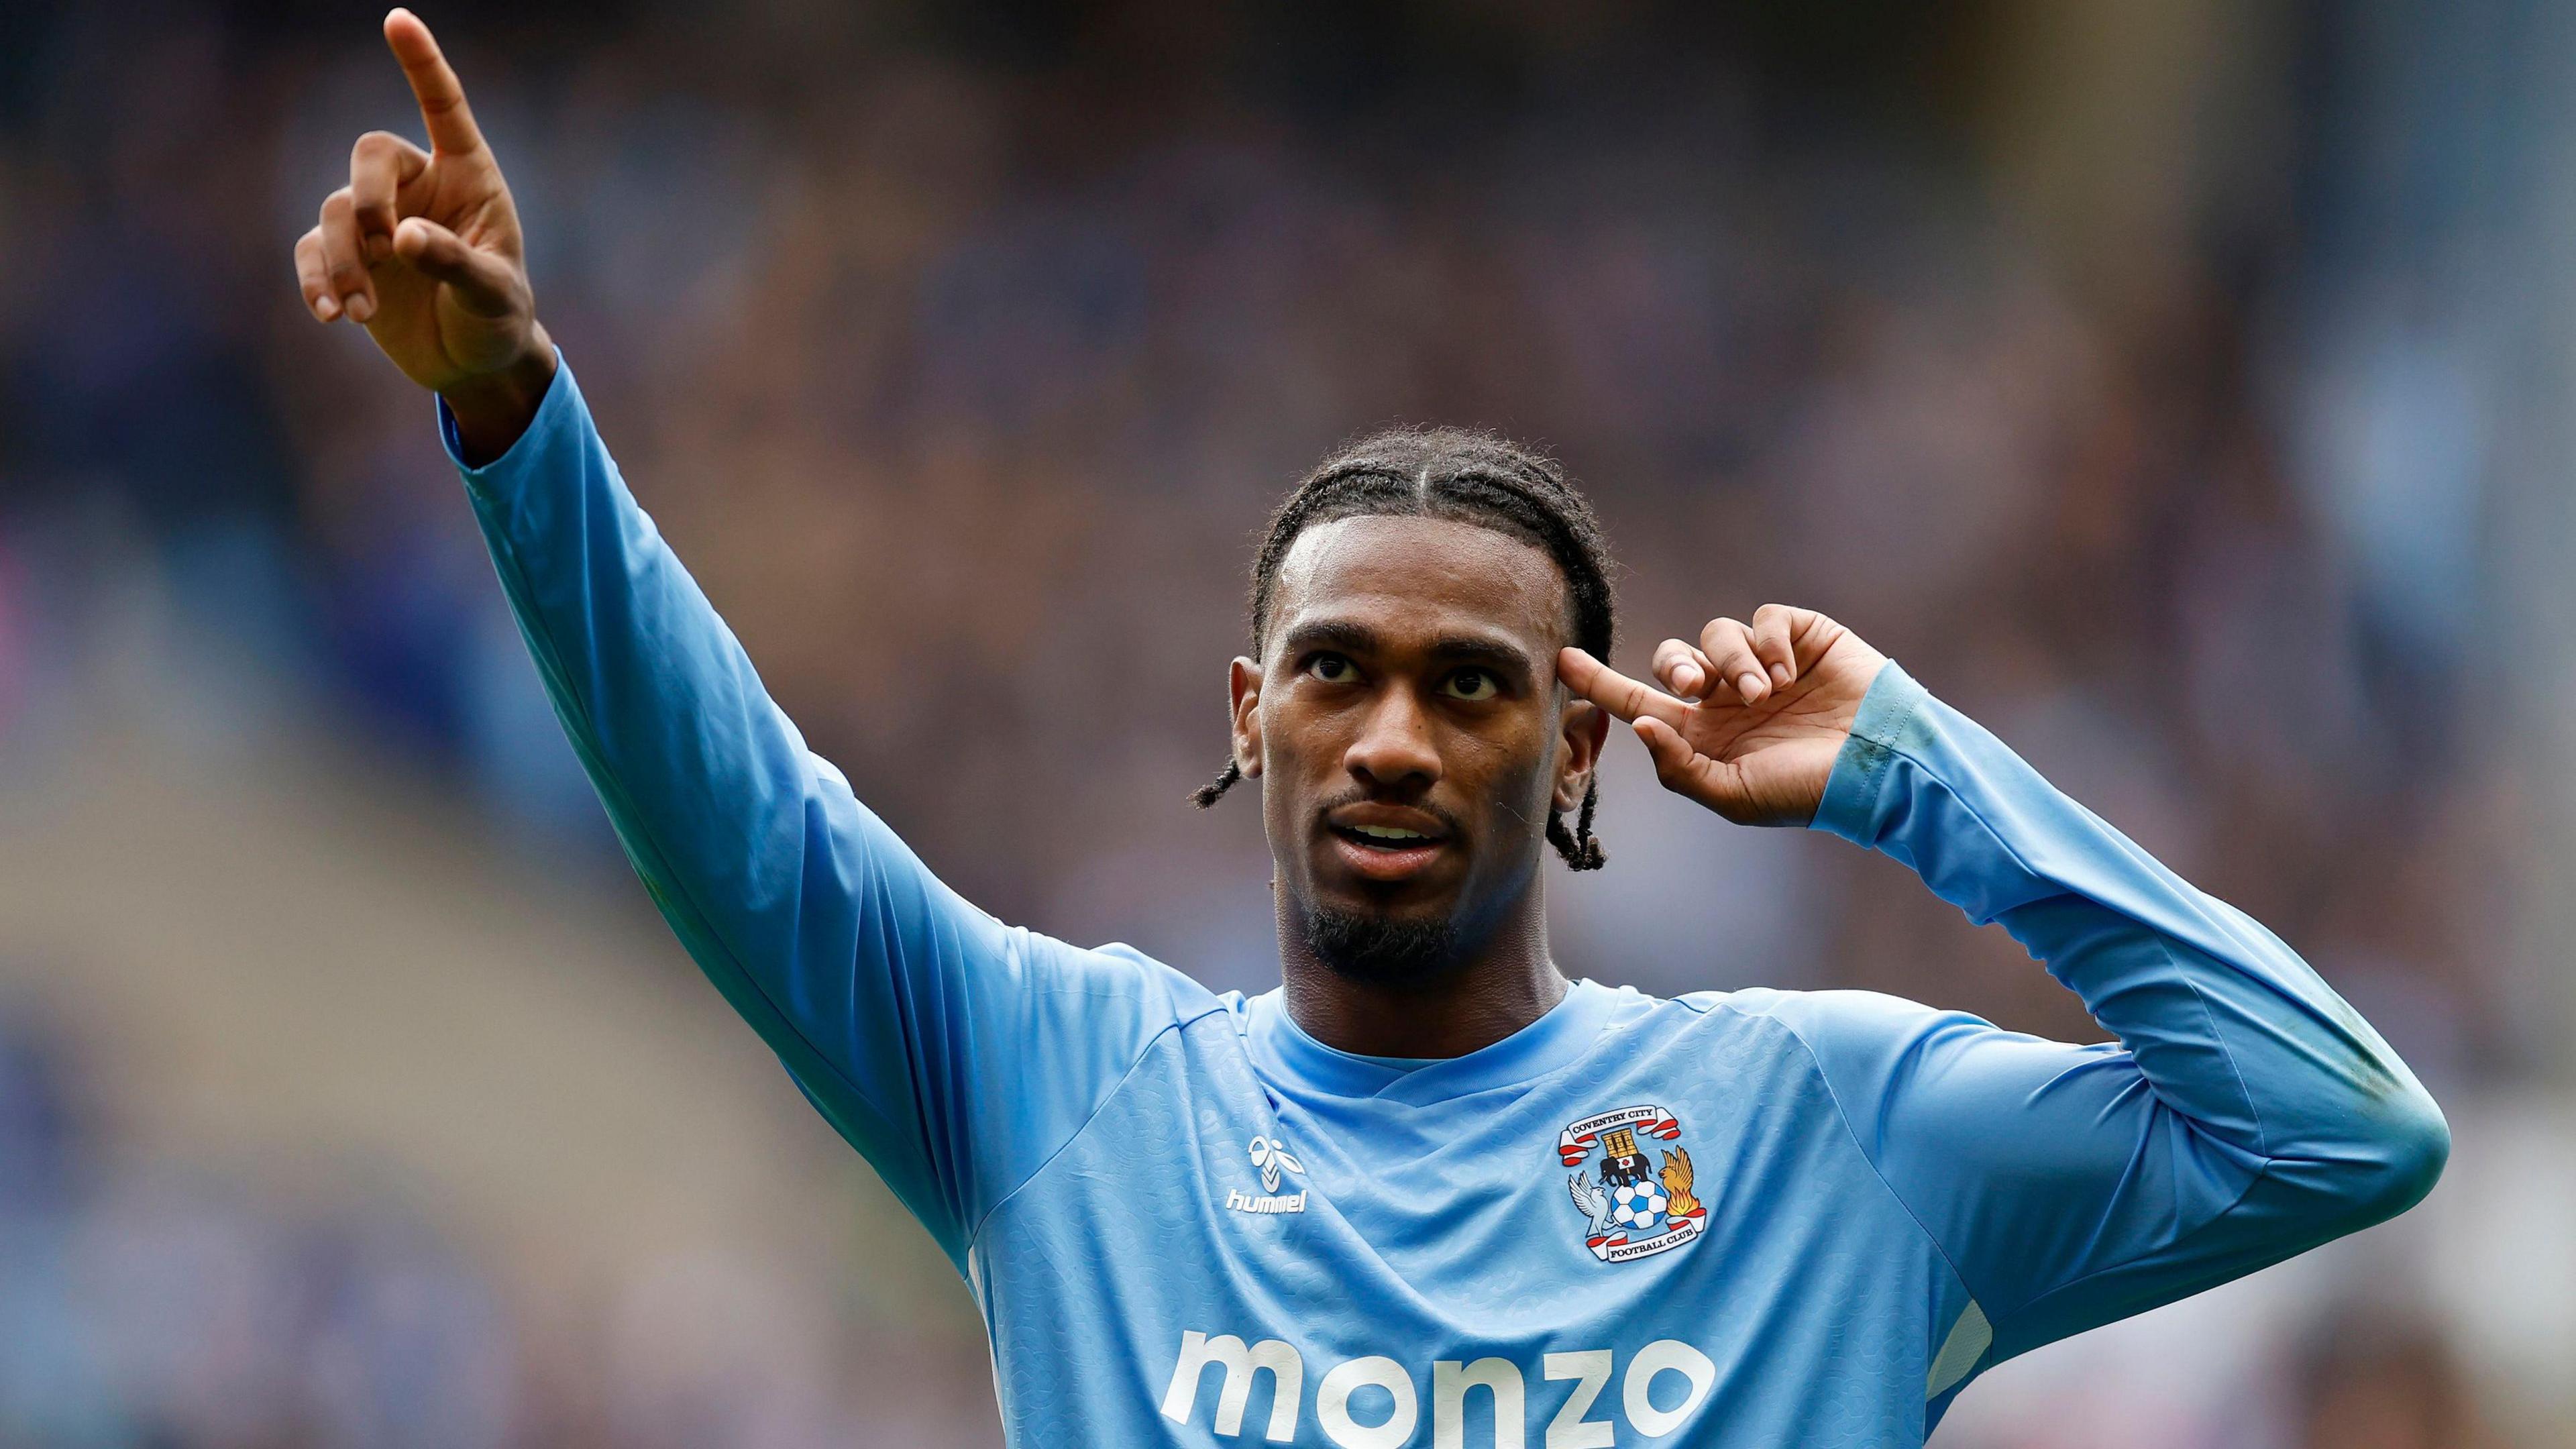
[{"x": 1699, "y": 1218}]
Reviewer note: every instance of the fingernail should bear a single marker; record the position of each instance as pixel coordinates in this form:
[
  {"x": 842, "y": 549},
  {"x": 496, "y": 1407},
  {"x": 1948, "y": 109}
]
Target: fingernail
[
  {"x": 1747, "y": 684},
  {"x": 1780, "y": 674},
  {"x": 327, "y": 308},
  {"x": 360, "y": 309},
  {"x": 1686, "y": 680}
]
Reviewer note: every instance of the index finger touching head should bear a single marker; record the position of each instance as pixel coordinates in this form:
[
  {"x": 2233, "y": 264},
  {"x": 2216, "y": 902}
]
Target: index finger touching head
[
  {"x": 1616, "y": 692},
  {"x": 433, "y": 84}
]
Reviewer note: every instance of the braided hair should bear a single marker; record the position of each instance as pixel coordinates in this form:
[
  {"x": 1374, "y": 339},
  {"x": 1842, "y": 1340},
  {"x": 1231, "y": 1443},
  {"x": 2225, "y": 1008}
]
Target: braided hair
[{"x": 1468, "y": 477}]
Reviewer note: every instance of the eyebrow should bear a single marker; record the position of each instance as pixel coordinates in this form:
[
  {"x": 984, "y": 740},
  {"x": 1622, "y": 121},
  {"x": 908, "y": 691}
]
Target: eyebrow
[{"x": 1343, "y": 635}]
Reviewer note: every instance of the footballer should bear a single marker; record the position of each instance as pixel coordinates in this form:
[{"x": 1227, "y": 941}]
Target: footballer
[{"x": 1430, "y": 1190}]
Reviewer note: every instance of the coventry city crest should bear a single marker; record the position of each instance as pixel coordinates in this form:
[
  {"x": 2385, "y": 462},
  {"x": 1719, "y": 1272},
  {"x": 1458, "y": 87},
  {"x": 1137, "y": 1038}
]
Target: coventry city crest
[{"x": 1637, "y": 1208}]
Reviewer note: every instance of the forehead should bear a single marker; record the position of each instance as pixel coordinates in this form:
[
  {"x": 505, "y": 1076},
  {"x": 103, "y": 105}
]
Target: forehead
[{"x": 1422, "y": 577}]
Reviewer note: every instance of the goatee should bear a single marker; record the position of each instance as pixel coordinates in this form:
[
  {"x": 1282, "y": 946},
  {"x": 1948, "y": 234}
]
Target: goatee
[{"x": 1380, "y": 950}]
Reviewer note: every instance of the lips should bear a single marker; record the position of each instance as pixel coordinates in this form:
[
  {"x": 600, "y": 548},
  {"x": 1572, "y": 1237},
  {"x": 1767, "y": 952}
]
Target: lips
[
  {"x": 1386, "y": 842},
  {"x": 1382, "y": 862}
]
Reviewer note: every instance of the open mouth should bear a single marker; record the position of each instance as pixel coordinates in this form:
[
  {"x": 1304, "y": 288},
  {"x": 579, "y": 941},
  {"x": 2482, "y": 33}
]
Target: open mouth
[
  {"x": 1383, "y": 852},
  {"x": 1385, "y": 837}
]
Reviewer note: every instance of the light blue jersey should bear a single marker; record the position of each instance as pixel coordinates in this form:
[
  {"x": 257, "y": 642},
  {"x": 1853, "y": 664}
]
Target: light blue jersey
[{"x": 1751, "y": 1218}]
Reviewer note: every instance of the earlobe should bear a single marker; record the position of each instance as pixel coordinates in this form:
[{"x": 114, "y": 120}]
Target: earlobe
[{"x": 1587, "y": 730}]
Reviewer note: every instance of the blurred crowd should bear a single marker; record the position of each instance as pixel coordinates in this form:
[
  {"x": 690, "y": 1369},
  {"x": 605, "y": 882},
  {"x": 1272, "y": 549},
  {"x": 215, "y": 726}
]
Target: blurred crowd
[
  {"x": 181, "y": 1303},
  {"x": 960, "y": 350}
]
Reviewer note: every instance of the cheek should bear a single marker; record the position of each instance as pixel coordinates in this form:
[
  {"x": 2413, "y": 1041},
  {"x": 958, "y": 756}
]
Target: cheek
[
  {"x": 1302, "y": 753},
  {"x": 1292, "y": 737},
  {"x": 1312, "y": 731},
  {"x": 1511, "y": 769}
]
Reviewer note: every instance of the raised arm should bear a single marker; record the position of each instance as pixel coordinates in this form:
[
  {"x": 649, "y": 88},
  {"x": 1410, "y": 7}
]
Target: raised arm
[
  {"x": 2246, "y": 1113},
  {"x": 956, "y": 1052}
]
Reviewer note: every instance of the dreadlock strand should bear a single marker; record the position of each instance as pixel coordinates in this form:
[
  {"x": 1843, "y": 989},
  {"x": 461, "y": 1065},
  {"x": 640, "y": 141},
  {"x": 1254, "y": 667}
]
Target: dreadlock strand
[
  {"x": 1580, "y": 850},
  {"x": 1214, "y": 790}
]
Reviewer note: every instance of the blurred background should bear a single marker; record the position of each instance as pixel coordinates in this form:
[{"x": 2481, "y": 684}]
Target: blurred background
[{"x": 2180, "y": 387}]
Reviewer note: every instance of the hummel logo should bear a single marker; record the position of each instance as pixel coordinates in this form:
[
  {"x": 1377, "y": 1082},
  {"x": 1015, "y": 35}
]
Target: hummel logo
[{"x": 1273, "y": 1159}]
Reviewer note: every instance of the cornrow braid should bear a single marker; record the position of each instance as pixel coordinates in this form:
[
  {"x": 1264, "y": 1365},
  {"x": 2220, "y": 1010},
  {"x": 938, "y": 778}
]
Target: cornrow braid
[{"x": 1468, "y": 477}]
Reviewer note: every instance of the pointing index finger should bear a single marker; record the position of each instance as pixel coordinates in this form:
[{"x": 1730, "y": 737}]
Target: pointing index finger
[
  {"x": 1616, "y": 692},
  {"x": 433, "y": 84}
]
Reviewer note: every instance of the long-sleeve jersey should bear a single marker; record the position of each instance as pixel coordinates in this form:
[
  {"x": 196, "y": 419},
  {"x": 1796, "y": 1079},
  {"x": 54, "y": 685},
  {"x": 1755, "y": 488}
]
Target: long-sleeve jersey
[{"x": 1747, "y": 1218}]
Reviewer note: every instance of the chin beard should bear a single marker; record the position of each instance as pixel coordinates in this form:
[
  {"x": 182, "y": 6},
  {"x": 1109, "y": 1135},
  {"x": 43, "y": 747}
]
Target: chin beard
[{"x": 1381, "y": 950}]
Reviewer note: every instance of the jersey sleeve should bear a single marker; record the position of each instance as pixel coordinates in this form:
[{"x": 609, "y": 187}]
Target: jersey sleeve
[
  {"x": 2245, "y": 1114},
  {"x": 955, "y": 1052}
]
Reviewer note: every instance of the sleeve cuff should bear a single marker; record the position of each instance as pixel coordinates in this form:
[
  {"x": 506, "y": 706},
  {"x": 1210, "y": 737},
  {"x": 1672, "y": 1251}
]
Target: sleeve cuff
[
  {"x": 560, "y": 406},
  {"x": 1850, "y": 805}
]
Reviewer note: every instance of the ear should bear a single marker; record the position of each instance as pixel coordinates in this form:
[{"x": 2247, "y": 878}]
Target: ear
[
  {"x": 1243, "y": 687},
  {"x": 1587, "y": 730}
]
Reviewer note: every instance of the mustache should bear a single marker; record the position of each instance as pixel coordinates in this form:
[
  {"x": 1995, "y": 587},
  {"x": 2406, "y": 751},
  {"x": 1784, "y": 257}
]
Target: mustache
[{"x": 1448, "y": 821}]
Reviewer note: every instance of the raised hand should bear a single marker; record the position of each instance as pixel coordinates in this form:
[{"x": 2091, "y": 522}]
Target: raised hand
[
  {"x": 1749, "y": 720},
  {"x": 423, "y": 249}
]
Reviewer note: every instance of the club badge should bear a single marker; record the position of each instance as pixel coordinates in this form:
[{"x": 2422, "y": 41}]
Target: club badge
[{"x": 1636, "y": 1208}]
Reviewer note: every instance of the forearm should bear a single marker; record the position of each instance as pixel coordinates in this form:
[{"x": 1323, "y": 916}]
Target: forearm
[
  {"x": 697, "y": 769},
  {"x": 886, "y": 994},
  {"x": 2228, "y": 1026},
  {"x": 759, "y": 858}
]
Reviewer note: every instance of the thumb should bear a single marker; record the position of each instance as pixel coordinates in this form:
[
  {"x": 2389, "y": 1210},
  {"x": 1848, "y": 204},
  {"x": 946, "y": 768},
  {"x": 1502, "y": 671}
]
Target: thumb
[
  {"x": 483, "y": 283},
  {"x": 1679, "y": 767},
  {"x": 1670, "y": 752}
]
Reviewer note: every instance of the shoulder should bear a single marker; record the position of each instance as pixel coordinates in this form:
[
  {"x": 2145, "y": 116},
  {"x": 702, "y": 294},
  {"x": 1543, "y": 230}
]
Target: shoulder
[
  {"x": 1837, "y": 1008},
  {"x": 1871, "y": 1042},
  {"x": 1118, "y": 972},
  {"x": 1837, "y": 1021},
  {"x": 1788, "y": 1020},
  {"x": 1792, "y": 1009}
]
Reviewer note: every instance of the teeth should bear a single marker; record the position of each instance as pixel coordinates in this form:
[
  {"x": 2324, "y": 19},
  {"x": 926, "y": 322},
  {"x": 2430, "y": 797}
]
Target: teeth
[{"x": 1389, "y": 832}]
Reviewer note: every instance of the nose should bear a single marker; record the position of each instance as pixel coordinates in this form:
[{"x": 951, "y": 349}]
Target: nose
[{"x": 1394, "y": 746}]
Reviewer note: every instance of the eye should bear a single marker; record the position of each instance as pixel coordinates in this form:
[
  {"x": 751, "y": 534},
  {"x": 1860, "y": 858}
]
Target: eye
[
  {"x": 1331, "y": 668},
  {"x": 1474, "y": 685}
]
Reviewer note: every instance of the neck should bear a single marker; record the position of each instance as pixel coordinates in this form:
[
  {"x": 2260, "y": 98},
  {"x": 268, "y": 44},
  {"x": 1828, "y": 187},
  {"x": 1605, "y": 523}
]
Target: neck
[{"x": 1507, "y": 981}]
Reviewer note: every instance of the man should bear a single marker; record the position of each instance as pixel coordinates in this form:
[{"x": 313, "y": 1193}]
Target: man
[{"x": 1338, "y": 1213}]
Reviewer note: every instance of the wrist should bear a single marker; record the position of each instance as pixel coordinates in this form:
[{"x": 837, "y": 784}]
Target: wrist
[
  {"x": 493, "y": 409},
  {"x": 1881, "y": 729}
]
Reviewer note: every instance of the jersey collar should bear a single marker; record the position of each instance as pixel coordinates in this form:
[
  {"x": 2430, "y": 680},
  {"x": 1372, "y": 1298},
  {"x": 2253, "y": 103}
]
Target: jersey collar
[{"x": 1282, "y": 1049}]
